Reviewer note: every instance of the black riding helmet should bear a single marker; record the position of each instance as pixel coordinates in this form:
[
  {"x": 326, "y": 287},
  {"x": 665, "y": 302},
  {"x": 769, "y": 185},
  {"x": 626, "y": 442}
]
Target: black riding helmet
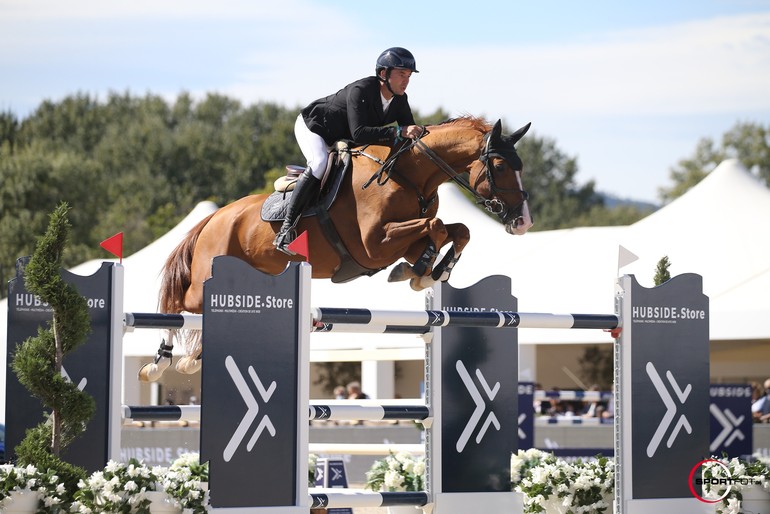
[{"x": 396, "y": 57}]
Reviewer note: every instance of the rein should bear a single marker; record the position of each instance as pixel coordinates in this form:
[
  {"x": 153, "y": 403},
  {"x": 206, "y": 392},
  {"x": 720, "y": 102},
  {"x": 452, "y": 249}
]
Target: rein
[{"x": 387, "y": 168}]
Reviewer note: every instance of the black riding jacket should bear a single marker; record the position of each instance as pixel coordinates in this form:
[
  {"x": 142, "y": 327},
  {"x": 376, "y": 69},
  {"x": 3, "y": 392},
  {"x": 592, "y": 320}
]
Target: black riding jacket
[{"x": 355, "y": 113}]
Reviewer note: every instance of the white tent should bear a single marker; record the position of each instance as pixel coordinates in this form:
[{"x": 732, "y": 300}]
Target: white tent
[{"x": 715, "y": 230}]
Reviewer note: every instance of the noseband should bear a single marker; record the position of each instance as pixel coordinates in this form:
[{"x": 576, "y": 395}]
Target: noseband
[{"x": 494, "y": 205}]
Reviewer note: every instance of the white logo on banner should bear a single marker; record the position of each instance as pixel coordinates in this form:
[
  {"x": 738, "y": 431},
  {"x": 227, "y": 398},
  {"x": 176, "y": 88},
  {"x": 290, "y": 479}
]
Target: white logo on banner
[
  {"x": 81, "y": 384},
  {"x": 522, "y": 434},
  {"x": 671, "y": 409},
  {"x": 480, "y": 406},
  {"x": 253, "y": 409},
  {"x": 730, "y": 427}
]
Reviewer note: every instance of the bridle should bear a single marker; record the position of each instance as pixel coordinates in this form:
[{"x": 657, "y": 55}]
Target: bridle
[{"x": 493, "y": 205}]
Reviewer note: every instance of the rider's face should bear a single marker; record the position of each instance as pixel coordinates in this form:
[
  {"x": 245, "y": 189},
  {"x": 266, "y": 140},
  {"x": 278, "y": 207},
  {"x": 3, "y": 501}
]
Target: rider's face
[{"x": 399, "y": 79}]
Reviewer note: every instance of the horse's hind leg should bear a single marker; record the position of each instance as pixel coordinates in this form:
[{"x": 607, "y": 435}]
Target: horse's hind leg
[
  {"x": 153, "y": 371},
  {"x": 191, "y": 362}
]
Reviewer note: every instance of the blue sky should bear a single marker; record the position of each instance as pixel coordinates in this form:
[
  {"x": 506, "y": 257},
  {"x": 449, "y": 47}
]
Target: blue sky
[{"x": 628, "y": 88}]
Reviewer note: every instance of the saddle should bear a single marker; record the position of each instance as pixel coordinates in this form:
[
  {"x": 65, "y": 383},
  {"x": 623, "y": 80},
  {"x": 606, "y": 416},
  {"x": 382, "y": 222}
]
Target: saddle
[{"x": 275, "y": 206}]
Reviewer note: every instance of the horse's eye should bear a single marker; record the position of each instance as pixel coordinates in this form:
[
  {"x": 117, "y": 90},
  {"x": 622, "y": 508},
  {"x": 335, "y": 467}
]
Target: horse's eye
[{"x": 500, "y": 166}]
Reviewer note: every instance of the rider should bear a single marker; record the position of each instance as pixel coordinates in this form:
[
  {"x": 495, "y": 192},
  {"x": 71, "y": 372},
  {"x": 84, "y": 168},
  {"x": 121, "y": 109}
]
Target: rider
[{"x": 361, "y": 112}]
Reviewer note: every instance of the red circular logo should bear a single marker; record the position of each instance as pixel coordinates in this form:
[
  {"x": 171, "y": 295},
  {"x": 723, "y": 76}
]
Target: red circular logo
[{"x": 695, "y": 469}]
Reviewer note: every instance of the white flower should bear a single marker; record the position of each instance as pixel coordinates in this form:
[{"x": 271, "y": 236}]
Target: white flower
[
  {"x": 733, "y": 506},
  {"x": 82, "y": 509},
  {"x": 51, "y": 500},
  {"x": 393, "y": 479},
  {"x": 539, "y": 475}
]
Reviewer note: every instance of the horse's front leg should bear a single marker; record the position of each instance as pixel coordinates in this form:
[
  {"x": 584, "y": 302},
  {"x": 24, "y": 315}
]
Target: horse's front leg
[
  {"x": 418, "y": 241},
  {"x": 459, "y": 235}
]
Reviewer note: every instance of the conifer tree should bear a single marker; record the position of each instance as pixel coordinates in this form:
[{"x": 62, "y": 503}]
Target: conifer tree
[
  {"x": 38, "y": 360},
  {"x": 661, "y": 271}
]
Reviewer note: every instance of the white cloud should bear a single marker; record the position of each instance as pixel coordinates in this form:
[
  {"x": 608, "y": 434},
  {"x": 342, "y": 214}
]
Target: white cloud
[
  {"x": 710, "y": 66},
  {"x": 31, "y": 10}
]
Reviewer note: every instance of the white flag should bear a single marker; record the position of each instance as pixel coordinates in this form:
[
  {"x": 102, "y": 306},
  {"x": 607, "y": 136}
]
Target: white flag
[{"x": 625, "y": 257}]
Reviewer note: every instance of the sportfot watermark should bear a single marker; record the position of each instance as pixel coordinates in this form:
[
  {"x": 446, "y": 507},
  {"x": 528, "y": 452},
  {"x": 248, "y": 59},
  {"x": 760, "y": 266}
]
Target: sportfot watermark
[{"x": 715, "y": 481}]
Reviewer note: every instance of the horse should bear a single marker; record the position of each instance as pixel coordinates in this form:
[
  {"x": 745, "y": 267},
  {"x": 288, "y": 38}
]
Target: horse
[{"x": 384, "y": 211}]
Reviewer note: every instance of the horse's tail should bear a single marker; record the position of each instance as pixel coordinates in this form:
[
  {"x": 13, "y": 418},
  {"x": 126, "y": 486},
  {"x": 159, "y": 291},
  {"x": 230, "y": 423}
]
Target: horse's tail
[{"x": 176, "y": 272}]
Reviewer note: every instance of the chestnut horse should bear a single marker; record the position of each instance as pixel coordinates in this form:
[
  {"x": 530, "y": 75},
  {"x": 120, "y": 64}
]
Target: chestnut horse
[{"x": 385, "y": 210}]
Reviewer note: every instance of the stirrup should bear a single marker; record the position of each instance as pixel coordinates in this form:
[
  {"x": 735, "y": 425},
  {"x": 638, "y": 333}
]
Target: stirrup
[{"x": 284, "y": 239}]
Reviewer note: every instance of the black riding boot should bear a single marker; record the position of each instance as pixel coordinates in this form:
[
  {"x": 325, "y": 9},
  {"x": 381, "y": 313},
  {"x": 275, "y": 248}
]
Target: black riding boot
[{"x": 305, "y": 189}]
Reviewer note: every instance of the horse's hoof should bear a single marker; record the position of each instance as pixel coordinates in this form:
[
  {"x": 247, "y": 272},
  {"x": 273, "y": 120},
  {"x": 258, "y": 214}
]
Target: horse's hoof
[
  {"x": 154, "y": 370},
  {"x": 188, "y": 365},
  {"x": 420, "y": 283},
  {"x": 402, "y": 271}
]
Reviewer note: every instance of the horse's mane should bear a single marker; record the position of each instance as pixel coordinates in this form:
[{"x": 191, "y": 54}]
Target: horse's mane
[{"x": 472, "y": 122}]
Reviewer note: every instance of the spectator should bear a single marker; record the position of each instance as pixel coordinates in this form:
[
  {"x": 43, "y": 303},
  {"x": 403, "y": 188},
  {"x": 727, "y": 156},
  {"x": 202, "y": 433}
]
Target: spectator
[
  {"x": 595, "y": 408},
  {"x": 609, "y": 412},
  {"x": 340, "y": 393},
  {"x": 355, "y": 392},
  {"x": 760, "y": 409}
]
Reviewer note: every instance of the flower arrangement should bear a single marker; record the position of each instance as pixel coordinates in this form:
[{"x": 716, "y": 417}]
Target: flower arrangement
[
  {"x": 523, "y": 461},
  {"x": 397, "y": 472},
  {"x": 744, "y": 475},
  {"x": 186, "y": 481},
  {"x": 312, "y": 460},
  {"x": 577, "y": 487},
  {"x": 14, "y": 479},
  {"x": 120, "y": 487},
  {"x": 46, "y": 484}
]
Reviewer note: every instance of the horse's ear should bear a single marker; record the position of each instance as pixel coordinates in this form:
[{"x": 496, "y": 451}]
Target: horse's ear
[
  {"x": 497, "y": 130},
  {"x": 514, "y": 138}
]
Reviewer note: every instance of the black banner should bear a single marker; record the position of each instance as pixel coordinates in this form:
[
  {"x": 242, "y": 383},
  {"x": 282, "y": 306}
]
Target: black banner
[
  {"x": 479, "y": 392},
  {"x": 331, "y": 473},
  {"x": 526, "y": 415},
  {"x": 732, "y": 431},
  {"x": 249, "y": 419},
  {"x": 88, "y": 366},
  {"x": 669, "y": 385}
]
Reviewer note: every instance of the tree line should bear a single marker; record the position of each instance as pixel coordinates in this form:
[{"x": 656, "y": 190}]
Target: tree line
[{"x": 139, "y": 164}]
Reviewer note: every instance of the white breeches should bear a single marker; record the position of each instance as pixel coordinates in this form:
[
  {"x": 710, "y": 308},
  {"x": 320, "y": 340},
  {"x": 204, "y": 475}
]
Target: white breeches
[{"x": 313, "y": 147}]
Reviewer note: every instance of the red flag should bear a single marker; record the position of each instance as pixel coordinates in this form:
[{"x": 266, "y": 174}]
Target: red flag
[
  {"x": 114, "y": 245},
  {"x": 301, "y": 246}
]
